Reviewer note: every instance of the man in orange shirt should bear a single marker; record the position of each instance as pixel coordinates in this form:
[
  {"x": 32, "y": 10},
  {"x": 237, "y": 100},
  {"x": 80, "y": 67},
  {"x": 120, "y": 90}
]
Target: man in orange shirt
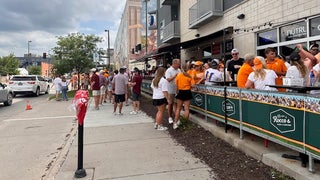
[
  {"x": 277, "y": 65},
  {"x": 245, "y": 70}
]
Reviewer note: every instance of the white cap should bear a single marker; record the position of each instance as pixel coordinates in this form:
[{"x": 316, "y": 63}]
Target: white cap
[
  {"x": 234, "y": 50},
  {"x": 93, "y": 70}
]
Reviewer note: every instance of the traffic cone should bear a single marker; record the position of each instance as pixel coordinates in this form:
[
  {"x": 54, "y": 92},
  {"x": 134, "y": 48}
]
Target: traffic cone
[{"x": 28, "y": 107}]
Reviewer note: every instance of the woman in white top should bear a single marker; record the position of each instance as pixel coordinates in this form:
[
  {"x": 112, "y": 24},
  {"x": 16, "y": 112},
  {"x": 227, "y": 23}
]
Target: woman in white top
[
  {"x": 261, "y": 77},
  {"x": 297, "y": 69},
  {"x": 160, "y": 96}
]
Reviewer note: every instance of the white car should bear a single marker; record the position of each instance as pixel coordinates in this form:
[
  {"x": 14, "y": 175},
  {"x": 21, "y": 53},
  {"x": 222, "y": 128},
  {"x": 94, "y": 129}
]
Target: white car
[
  {"x": 5, "y": 95},
  {"x": 28, "y": 84}
]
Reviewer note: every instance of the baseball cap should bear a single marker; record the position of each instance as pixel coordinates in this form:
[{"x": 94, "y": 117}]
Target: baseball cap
[
  {"x": 215, "y": 62},
  {"x": 198, "y": 63},
  {"x": 234, "y": 51},
  {"x": 314, "y": 45},
  {"x": 93, "y": 70},
  {"x": 257, "y": 63},
  {"x": 101, "y": 71},
  {"x": 294, "y": 56},
  {"x": 123, "y": 67}
]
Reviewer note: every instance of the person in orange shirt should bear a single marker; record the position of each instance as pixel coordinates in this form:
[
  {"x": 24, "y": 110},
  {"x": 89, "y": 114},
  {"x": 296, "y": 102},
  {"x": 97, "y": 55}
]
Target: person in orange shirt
[
  {"x": 184, "y": 82},
  {"x": 277, "y": 65},
  {"x": 245, "y": 70},
  {"x": 199, "y": 73}
]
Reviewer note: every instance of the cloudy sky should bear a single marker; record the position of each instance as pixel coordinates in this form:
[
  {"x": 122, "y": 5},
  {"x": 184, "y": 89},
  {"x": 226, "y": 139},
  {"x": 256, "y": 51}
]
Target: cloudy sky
[{"x": 41, "y": 21}]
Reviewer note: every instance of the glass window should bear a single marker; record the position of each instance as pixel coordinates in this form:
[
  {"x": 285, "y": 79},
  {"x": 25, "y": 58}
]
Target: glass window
[
  {"x": 268, "y": 37},
  {"x": 293, "y": 31},
  {"x": 315, "y": 26},
  {"x": 207, "y": 51},
  {"x": 288, "y": 49}
]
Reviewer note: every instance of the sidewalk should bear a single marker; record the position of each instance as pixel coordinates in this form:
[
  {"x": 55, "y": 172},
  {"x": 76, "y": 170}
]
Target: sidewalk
[{"x": 128, "y": 147}]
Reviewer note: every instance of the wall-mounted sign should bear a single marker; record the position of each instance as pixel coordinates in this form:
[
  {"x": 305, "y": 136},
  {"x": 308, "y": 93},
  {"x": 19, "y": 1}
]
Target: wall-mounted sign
[
  {"x": 268, "y": 37},
  {"x": 293, "y": 31}
]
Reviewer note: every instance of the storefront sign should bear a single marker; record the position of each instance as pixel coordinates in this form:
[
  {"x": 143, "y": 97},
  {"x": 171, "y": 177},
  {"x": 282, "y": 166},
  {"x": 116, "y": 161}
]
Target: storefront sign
[
  {"x": 282, "y": 121},
  {"x": 293, "y": 31},
  {"x": 268, "y": 37}
]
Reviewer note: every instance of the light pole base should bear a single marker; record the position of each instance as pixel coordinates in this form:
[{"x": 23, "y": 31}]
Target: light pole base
[{"x": 80, "y": 173}]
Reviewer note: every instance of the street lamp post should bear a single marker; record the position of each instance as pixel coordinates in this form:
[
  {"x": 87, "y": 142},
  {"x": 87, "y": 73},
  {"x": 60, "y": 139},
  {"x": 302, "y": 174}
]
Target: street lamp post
[
  {"x": 146, "y": 1},
  {"x": 28, "y": 56},
  {"x": 108, "y": 51}
]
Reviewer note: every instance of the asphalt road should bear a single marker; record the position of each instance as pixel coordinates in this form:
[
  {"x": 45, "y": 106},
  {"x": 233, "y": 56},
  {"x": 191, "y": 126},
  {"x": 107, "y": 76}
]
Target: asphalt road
[{"x": 31, "y": 140}]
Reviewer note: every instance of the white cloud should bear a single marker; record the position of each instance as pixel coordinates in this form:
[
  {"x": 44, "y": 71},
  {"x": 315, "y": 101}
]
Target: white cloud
[{"x": 42, "y": 21}]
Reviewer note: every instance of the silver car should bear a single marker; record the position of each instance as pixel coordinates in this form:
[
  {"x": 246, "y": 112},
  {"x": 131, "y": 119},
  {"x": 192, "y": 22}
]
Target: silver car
[
  {"x": 28, "y": 84},
  {"x": 5, "y": 95}
]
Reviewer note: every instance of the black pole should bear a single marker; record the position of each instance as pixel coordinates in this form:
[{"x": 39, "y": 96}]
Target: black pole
[{"x": 80, "y": 172}]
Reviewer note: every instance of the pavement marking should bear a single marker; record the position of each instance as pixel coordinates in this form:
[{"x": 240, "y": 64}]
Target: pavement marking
[{"x": 38, "y": 118}]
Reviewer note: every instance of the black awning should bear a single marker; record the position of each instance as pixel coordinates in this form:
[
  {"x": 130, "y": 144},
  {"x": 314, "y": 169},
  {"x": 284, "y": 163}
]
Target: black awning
[{"x": 187, "y": 44}]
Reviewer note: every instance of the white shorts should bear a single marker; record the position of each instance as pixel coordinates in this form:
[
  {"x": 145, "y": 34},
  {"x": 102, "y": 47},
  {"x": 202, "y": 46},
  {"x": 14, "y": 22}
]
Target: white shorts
[
  {"x": 102, "y": 90},
  {"x": 95, "y": 92}
]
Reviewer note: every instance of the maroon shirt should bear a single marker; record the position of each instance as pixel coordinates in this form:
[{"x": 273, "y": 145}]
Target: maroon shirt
[
  {"x": 138, "y": 80},
  {"x": 96, "y": 85}
]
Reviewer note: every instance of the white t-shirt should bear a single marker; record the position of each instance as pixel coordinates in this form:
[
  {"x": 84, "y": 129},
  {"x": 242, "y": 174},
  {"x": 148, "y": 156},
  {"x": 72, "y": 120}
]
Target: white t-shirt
[
  {"x": 158, "y": 92},
  {"x": 270, "y": 79},
  {"x": 57, "y": 83},
  {"x": 293, "y": 72},
  {"x": 212, "y": 75},
  {"x": 172, "y": 87},
  {"x": 316, "y": 68}
]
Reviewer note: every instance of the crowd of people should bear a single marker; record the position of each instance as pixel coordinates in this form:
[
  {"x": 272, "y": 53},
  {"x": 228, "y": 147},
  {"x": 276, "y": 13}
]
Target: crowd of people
[{"x": 171, "y": 86}]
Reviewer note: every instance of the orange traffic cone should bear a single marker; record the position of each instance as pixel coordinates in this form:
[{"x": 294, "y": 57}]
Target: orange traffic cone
[{"x": 28, "y": 107}]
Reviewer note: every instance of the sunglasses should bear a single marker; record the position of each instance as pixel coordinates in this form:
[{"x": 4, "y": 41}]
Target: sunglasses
[
  {"x": 235, "y": 54},
  {"x": 315, "y": 49}
]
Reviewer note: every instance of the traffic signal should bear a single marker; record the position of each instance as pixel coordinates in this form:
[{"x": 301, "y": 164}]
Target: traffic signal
[{"x": 44, "y": 55}]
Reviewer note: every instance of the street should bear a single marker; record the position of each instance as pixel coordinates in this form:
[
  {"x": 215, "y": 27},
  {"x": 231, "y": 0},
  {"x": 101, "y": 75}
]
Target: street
[{"x": 32, "y": 140}]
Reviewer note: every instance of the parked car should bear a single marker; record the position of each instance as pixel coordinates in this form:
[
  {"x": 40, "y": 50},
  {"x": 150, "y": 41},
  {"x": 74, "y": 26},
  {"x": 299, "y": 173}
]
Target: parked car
[
  {"x": 5, "y": 95},
  {"x": 28, "y": 84}
]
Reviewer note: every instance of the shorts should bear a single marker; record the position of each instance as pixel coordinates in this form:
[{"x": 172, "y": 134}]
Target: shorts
[
  {"x": 102, "y": 90},
  {"x": 172, "y": 97},
  {"x": 119, "y": 98},
  {"x": 135, "y": 97},
  {"x": 159, "y": 102},
  {"x": 95, "y": 92},
  {"x": 184, "y": 95}
]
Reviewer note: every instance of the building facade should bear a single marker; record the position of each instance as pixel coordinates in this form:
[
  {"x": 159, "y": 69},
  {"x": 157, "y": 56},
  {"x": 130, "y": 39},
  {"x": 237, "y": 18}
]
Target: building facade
[{"x": 212, "y": 28}]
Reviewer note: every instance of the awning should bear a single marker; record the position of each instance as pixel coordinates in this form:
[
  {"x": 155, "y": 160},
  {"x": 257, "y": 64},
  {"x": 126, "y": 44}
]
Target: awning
[
  {"x": 151, "y": 55},
  {"x": 191, "y": 43}
]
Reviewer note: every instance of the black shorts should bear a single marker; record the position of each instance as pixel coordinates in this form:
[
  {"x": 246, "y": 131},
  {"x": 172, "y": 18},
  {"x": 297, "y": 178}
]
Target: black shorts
[
  {"x": 135, "y": 97},
  {"x": 159, "y": 102},
  {"x": 184, "y": 95},
  {"x": 119, "y": 98}
]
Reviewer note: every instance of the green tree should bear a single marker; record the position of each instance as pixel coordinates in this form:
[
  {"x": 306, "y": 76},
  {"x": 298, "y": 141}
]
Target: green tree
[
  {"x": 9, "y": 65},
  {"x": 74, "y": 53},
  {"x": 34, "y": 70}
]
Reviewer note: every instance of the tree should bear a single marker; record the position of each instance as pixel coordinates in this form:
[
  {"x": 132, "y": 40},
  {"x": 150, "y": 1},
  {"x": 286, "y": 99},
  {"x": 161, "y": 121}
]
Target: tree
[
  {"x": 74, "y": 53},
  {"x": 9, "y": 65},
  {"x": 34, "y": 70}
]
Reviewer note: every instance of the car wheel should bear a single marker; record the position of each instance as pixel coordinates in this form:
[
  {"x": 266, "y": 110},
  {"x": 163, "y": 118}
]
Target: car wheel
[
  {"x": 47, "y": 91},
  {"x": 37, "y": 92},
  {"x": 9, "y": 100}
]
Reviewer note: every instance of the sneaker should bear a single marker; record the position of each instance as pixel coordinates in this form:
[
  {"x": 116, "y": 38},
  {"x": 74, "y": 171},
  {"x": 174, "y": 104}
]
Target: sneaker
[
  {"x": 133, "y": 112},
  {"x": 175, "y": 125},
  {"x": 179, "y": 123},
  {"x": 139, "y": 112},
  {"x": 120, "y": 113},
  {"x": 161, "y": 128},
  {"x": 155, "y": 126},
  {"x": 170, "y": 120}
]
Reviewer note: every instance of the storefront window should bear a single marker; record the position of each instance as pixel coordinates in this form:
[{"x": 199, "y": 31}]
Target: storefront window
[
  {"x": 268, "y": 37},
  {"x": 315, "y": 26},
  {"x": 288, "y": 49},
  {"x": 293, "y": 31}
]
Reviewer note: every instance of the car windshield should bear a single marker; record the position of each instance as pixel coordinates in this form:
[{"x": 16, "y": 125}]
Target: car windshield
[{"x": 24, "y": 78}]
